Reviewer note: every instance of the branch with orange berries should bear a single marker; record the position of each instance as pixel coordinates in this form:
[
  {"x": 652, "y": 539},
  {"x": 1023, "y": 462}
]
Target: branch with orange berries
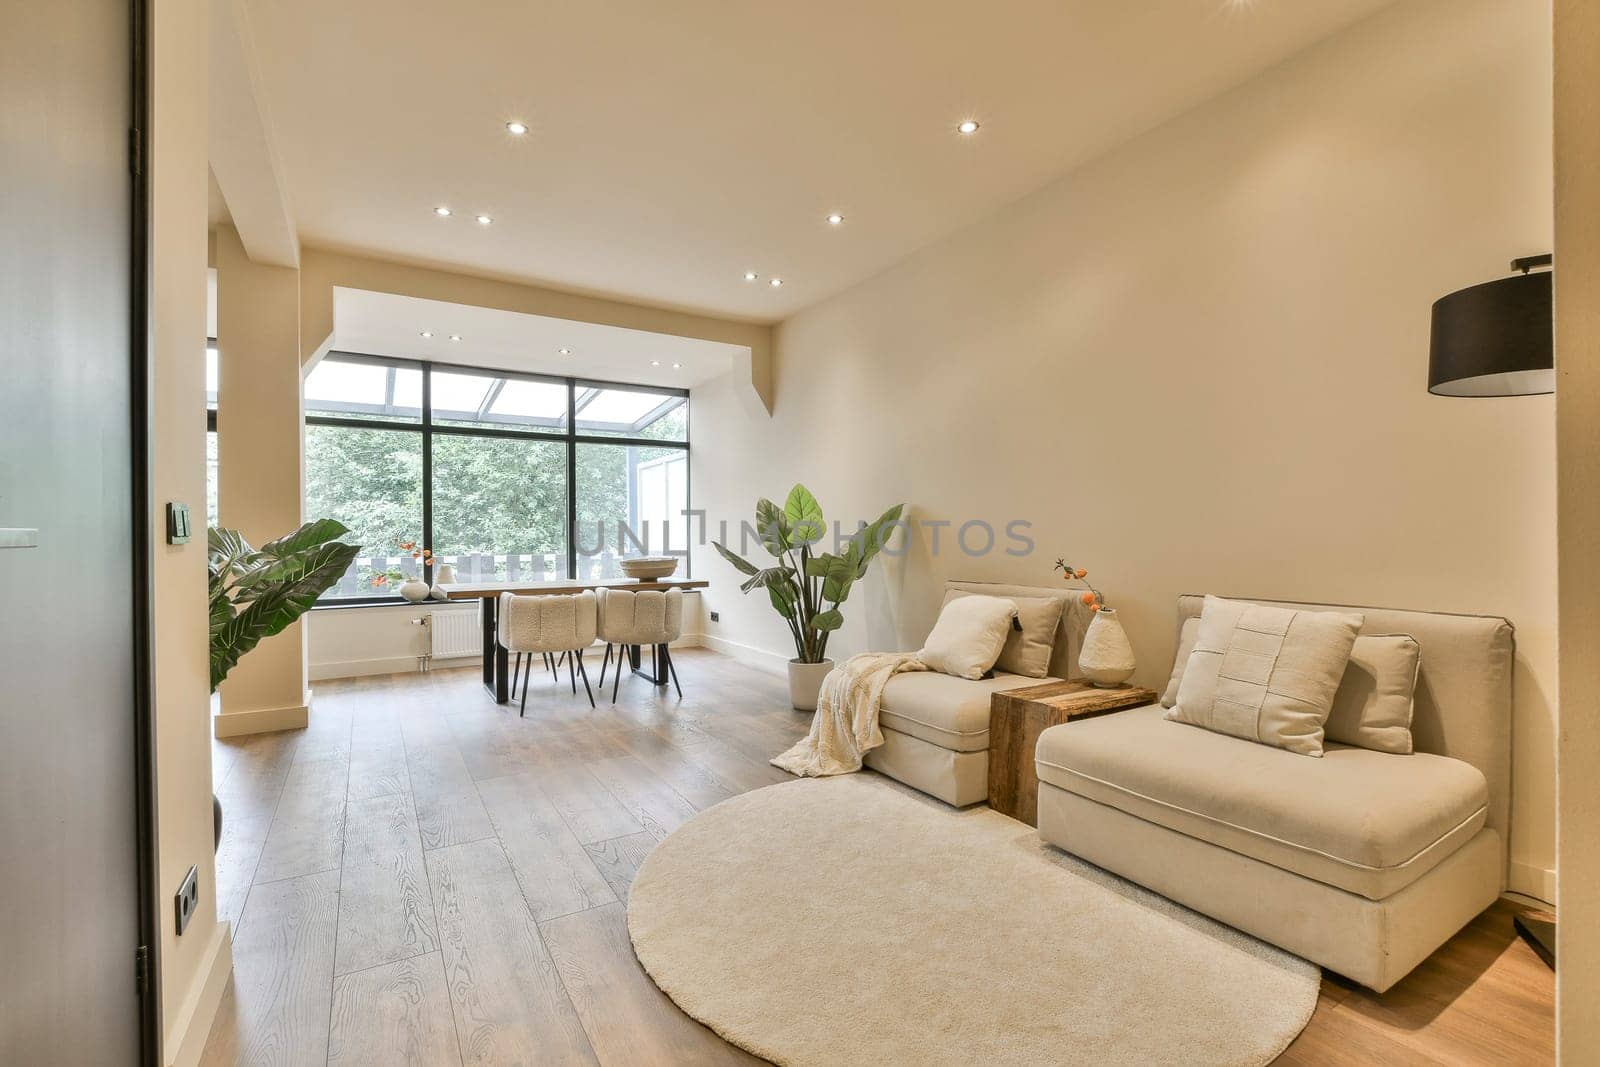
[
  {"x": 424, "y": 557},
  {"x": 1091, "y": 596}
]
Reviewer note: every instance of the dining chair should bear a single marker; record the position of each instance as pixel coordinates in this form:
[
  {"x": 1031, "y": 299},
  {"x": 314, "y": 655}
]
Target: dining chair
[
  {"x": 548, "y": 625},
  {"x": 649, "y": 617}
]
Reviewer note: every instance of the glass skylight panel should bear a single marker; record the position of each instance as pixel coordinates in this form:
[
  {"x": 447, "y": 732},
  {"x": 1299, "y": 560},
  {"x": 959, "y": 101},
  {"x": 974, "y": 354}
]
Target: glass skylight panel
[
  {"x": 362, "y": 390},
  {"x": 628, "y": 413},
  {"x": 334, "y": 382},
  {"x": 458, "y": 397},
  {"x": 539, "y": 403}
]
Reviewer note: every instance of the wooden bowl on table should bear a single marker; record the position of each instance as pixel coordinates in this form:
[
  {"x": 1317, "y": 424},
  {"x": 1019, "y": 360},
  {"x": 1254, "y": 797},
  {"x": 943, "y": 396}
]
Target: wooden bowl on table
[{"x": 649, "y": 568}]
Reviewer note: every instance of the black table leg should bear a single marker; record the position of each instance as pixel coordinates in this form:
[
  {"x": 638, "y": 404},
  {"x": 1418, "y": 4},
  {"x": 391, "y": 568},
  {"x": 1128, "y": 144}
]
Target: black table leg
[
  {"x": 486, "y": 613},
  {"x": 657, "y": 674},
  {"x": 496, "y": 661}
]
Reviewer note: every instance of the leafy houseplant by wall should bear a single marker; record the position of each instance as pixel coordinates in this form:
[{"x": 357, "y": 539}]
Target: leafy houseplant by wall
[
  {"x": 807, "y": 587},
  {"x": 256, "y": 593}
]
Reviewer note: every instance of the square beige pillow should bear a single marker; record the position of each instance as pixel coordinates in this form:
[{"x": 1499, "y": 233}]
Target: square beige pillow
[
  {"x": 1373, "y": 706},
  {"x": 967, "y": 638},
  {"x": 1027, "y": 651},
  {"x": 1186, "y": 635},
  {"x": 1265, "y": 674}
]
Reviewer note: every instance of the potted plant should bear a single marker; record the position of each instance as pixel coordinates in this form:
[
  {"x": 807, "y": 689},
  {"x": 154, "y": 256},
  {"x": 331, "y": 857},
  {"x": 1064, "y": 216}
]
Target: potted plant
[
  {"x": 807, "y": 587},
  {"x": 257, "y": 592}
]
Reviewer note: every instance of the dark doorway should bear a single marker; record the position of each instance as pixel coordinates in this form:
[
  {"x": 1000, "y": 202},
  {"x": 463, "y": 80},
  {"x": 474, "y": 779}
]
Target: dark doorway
[{"x": 76, "y": 987}]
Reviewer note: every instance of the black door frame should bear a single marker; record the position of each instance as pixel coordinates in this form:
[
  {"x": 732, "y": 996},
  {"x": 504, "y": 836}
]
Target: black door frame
[{"x": 147, "y": 963}]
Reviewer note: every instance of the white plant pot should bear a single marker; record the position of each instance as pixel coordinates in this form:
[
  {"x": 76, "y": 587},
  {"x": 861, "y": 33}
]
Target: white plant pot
[
  {"x": 444, "y": 574},
  {"x": 414, "y": 590},
  {"x": 1106, "y": 658},
  {"x": 805, "y": 682}
]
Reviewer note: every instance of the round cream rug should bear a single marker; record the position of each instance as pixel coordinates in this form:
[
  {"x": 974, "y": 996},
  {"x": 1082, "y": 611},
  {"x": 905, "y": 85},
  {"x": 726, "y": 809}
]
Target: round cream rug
[{"x": 851, "y": 920}]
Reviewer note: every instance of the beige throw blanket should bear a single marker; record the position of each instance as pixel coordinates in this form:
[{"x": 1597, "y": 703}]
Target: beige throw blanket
[{"x": 845, "y": 727}]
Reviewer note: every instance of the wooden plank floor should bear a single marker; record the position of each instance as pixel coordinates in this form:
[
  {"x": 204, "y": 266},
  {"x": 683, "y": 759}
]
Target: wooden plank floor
[{"x": 422, "y": 877}]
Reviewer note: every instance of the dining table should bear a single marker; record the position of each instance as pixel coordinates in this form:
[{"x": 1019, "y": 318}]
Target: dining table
[{"x": 496, "y": 660}]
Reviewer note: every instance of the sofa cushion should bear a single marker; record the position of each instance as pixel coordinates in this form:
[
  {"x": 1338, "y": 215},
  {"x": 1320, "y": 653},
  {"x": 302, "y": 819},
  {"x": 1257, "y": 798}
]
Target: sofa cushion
[
  {"x": 1373, "y": 706},
  {"x": 1367, "y": 822},
  {"x": 1186, "y": 635},
  {"x": 1026, "y": 651},
  {"x": 968, "y": 635},
  {"x": 943, "y": 710},
  {"x": 1265, "y": 673}
]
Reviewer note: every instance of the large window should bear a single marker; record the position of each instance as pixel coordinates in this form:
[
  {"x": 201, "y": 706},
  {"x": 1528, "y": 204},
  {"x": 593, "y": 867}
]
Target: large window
[{"x": 504, "y": 476}]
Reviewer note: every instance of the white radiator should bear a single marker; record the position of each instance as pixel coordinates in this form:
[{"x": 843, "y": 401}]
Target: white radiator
[{"x": 455, "y": 633}]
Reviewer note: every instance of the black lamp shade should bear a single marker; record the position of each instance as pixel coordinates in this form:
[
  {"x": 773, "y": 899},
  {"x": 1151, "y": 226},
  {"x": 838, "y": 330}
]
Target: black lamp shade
[{"x": 1494, "y": 339}]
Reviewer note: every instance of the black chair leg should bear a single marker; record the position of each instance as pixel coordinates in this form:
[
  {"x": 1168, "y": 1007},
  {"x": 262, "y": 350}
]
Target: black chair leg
[
  {"x": 617, "y": 682},
  {"x": 550, "y": 661},
  {"x": 527, "y": 674},
  {"x": 516, "y": 672},
  {"x": 572, "y": 674},
  {"x": 585, "y": 674},
  {"x": 666, "y": 653},
  {"x": 604, "y": 664}
]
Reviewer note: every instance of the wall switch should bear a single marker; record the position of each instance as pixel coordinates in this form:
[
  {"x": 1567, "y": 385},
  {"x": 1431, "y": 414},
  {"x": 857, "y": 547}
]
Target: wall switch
[
  {"x": 177, "y": 524},
  {"x": 188, "y": 898},
  {"x": 716, "y": 616}
]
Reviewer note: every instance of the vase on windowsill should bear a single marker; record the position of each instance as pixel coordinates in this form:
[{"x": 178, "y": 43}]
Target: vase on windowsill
[{"x": 415, "y": 590}]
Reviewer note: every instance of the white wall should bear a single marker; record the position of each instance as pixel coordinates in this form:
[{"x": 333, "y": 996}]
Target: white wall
[{"x": 1199, "y": 364}]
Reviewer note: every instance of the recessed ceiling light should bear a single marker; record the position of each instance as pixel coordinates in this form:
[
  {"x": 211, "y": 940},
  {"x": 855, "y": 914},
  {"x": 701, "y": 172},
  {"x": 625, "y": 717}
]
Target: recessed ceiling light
[
  {"x": 677, "y": 366},
  {"x": 565, "y": 351},
  {"x": 655, "y": 363},
  {"x": 750, "y": 275},
  {"x": 484, "y": 220},
  {"x": 442, "y": 211},
  {"x": 969, "y": 126},
  {"x": 427, "y": 333},
  {"x": 518, "y": 128},
  {"x": 775, "y": 282},
  {"x": 455, "y": 337},
  {"x": 835, "y": 219}
]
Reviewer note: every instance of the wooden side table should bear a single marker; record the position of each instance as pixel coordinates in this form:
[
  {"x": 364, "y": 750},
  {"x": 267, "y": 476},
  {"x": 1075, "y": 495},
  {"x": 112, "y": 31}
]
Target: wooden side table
[{"x": 1016, "y": 719}]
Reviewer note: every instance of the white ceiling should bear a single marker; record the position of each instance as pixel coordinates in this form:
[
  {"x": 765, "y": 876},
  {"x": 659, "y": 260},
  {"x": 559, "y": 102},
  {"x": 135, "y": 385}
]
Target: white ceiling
[
  {"x": 674, "y": 145},
  {"x": 388, "y": 325}
]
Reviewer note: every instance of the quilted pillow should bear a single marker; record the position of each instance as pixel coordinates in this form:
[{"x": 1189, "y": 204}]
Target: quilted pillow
[{"x": 1265, "y": 674}]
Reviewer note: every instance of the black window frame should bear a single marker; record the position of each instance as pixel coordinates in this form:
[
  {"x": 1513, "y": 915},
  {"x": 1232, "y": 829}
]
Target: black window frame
[{"x": 428, "y": 429}]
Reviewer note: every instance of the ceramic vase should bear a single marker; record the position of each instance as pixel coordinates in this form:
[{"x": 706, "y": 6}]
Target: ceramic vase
[
  {"x": 443, "y": 574},
  {"x": 1106, "y": 658},
  {"x": 805, "y": 682},
  {"x": 414, "y": 589}
]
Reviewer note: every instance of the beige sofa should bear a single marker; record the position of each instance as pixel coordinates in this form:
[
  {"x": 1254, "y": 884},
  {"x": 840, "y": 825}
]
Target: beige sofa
[
  {"x": 1362, "y": 861},
  {"x": 936, "y": 727}
]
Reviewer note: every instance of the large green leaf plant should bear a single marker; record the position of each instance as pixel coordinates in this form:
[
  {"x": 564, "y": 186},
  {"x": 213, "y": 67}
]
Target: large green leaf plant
[
  {"x": 258, "y": 592},
  {"x": 806, "y": 587}
]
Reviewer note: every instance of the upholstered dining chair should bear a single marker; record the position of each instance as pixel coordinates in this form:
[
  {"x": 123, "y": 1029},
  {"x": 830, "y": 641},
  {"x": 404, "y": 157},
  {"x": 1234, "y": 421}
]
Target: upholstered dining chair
[
  {"x": 649, "y": 617},
  {"x": 533, "y": 625}
]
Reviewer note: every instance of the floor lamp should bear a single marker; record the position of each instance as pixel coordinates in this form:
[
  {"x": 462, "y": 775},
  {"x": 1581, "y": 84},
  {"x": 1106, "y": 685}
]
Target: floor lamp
[{"x": 1498, "y": 339}]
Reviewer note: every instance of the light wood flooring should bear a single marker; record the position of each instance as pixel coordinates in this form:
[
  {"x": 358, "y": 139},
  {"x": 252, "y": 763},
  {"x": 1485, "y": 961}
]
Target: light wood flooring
[{"x": 423, "y": 877}]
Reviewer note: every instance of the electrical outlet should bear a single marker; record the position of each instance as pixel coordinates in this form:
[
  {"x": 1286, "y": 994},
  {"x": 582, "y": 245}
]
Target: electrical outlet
[
  {"x": 716, "y": 616},
  {"x": 188, "y": 899}
]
